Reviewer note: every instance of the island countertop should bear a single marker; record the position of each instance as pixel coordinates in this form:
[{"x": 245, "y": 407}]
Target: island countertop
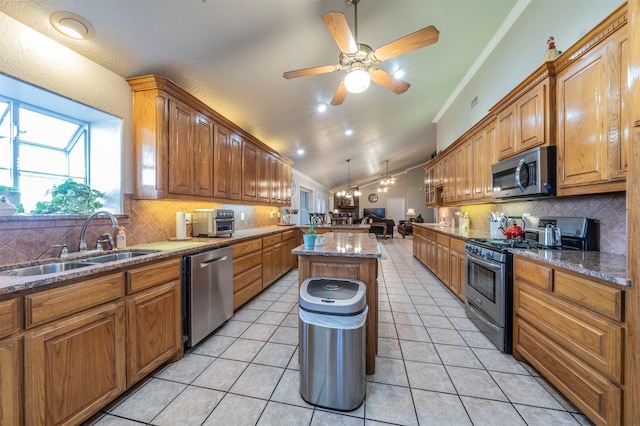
[{"x": 343, "y": 244}]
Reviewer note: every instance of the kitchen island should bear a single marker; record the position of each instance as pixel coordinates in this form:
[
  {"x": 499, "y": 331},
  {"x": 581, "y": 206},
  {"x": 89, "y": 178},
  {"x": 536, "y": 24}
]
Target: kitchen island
[{"x": 352, "y": 256}]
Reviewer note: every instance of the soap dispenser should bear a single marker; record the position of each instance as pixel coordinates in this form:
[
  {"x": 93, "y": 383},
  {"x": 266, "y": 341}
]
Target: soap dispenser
[{"x": 121, "y": 239}]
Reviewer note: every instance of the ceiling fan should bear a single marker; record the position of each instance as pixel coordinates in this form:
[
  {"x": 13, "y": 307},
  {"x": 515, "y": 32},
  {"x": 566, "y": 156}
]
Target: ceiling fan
[{"x": 358, "y": 59}]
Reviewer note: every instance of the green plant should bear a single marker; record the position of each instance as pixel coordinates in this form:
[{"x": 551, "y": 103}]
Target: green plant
[
  {"x": 70, "y": 197},
  {"x": 312, "y": 227},
  {"x": 4, "y": 188}
]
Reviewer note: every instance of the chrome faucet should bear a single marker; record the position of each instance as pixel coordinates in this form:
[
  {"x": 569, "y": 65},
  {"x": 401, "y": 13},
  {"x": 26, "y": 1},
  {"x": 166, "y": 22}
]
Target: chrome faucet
[{"x": 114, "y": 224}]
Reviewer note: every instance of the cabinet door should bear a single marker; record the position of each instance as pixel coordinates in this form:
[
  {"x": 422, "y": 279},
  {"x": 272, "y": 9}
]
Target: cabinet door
[
  {"x": 479, "y": 165},
  {"x": 286, "y": 184},
  {"x": 203, "y": 156},
  {"x": 278, "y": 261},
  {"x": 264, "y": 176},
  {"x": 75, "y": 366},
  {"x": 235, "y": 168},
  {"x": 490, "y": 157},
  {"x": 268, "y": 266},
  {"x": 275, "y": 180},
  {"x": 11, "y": 382},
  {"x": 531, "y": 110},
  {"x": 221, "y": 172},
  {"x": 506, "y": 132},
  {"x": 249, "y": 172},
  {"x": 181, "y": 146},
  {"x": 154, "y": 329},
  {"x": 583, "y": 122},
  {"x": 448, "y": 173},
  {"x": 619, "y": 150}
]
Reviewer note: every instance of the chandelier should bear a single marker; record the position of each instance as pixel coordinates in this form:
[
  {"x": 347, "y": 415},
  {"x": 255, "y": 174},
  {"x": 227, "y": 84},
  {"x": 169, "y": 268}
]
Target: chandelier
[
  {"x": 350, "y": 192},
  {"x": 386, "y": 182}
]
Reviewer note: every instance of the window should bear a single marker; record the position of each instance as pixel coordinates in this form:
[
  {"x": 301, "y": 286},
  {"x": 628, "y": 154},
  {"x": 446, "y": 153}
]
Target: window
[
  {"x": 39, "y": 149},
  {"x": 46, "y": 139}
]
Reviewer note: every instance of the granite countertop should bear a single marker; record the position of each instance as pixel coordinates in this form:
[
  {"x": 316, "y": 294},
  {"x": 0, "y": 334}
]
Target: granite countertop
[
  {"x": 344, "y": 244},
  {"x": 354, "y": 226},
  {"x": 609, "y": 267},
  {"x": 157, "y": 251}
]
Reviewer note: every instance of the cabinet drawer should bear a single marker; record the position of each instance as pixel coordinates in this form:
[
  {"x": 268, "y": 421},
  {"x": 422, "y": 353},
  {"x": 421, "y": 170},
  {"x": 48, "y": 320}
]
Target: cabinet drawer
[
  {"x": 533, "y": 273},
  {"x": 49, "y": 305},
  {"x": 271, "y": 240},
  {"x": 157, "y": 273},
  {"x": 590, "y": 337},
  {"x": 600, "y": 298},
  {"x": 457, "y": 244},
  {"x": 288, "y": 235},
  {"x": 443, "y": 240},
  {"x": 431, "y": 235},
  {"x": 245, "y": 263},
  {"x": 9, "y": 319},
  {"x": 243, "y": 296},
  {"x": 247, "y": 277},
  {"x": 245, "y": 247},
  {"x": 592, "y": 393}
]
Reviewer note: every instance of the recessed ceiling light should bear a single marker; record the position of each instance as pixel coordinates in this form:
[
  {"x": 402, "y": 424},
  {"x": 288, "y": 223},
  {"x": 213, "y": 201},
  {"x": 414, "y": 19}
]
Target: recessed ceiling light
[
  {"x": 398, "y": 74},
  {"x": 72, "y": 25},
  {"x": 322, "y": 107},
  {"x": 300, "y": 151},
  {"x": 348, "y": 132}
]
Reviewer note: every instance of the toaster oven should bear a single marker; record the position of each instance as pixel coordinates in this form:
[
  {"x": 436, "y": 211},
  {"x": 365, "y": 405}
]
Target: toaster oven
[{"x": 212, "y": 222}]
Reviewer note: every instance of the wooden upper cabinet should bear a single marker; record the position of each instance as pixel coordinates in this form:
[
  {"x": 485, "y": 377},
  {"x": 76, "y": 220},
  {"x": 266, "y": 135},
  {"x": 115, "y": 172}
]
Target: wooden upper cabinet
[
  {"x": 286, "y": 177},
  {"x": 489, "y": 140},
  {"x": 523, "y": 117},
  {"x": 264, "y": 176},
  {"x": 184, "y": 149},
  {"x": 203, "y": 156},
  {"x": 249, "y": 171},
  {"x": 181, "y": 138},
  {"x": 276, "y": 179},
  {"x": 591, "y": 95},
  {"x": 227, "y": 165},
  {"x": 463, "y": 171},
  {"x": 448, "y": 178}
]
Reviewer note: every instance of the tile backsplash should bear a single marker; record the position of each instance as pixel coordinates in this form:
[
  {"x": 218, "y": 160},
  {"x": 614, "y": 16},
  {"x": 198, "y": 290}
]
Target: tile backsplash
[
  {"x": 30, "y": 238},
  {"x": 609, "y": 211}
]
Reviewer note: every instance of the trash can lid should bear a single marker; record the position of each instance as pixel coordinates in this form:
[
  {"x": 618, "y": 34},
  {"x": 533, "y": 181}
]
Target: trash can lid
[{"x": 338, "y": 296}]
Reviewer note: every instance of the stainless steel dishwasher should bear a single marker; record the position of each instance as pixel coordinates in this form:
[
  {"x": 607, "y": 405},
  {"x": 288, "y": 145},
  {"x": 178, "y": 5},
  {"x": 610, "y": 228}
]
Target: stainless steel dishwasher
[{"x": 208, "y": 293}]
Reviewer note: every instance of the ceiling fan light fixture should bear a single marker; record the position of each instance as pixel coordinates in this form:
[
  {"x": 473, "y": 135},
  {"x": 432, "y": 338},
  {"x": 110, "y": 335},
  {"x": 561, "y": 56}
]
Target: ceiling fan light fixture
[
  {"x": 357, "y": 81},
  {"x": 72, "y": 25}
]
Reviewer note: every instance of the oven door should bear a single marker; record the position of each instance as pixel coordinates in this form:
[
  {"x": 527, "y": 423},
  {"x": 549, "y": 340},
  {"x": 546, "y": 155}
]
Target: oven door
[
  {"x": 223, "y": 227},
  {"x": 485, "y": 288}
]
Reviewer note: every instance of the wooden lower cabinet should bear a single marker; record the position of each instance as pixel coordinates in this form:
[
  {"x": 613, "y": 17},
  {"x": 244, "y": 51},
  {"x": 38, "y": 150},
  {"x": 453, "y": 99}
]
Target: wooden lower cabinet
[
  {"x": 247, "y": 271},
  {"x": 289, "y": 242},
  {"x": 74, "y": 367},
  {"x": 11, "y": 381},
  {"x": 571, "y": 329},
  {"x": 271, "y": 259},
  {"x": 457, "y": 267},
  {"x": 154, "y": 329},
  {"x": 443, "y": 255}
]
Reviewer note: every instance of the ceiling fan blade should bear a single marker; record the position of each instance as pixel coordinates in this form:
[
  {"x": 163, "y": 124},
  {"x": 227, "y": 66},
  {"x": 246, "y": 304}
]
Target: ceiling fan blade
[
  {"x": 408, "y": 43},
  {"x": 311, "y": 71},
  {"x": 388, "y": 81},
  {"x": 339, "y": 29},
  {"x": 340, "y": 94}
]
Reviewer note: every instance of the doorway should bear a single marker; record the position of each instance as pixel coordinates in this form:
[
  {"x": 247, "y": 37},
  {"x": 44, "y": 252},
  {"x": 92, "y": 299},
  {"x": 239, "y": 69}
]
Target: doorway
[{"x": 396, "y": 209}]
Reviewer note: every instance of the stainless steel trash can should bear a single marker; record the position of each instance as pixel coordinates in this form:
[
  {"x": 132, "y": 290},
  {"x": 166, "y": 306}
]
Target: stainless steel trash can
[{"x": 332, "y": 332}]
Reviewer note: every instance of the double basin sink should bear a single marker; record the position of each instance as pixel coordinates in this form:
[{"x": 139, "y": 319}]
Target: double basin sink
[{"x": 49, "y": 268}]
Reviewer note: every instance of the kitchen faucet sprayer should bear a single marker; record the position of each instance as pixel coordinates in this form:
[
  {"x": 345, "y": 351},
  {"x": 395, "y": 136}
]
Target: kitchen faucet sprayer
[{"x": 114, "y": 224}]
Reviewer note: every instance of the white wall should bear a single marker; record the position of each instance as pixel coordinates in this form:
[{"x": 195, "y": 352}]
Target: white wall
[
  {"x": 31, "y": 57},
  {"x": 318, "y": 190},
  {"x": 519, "y": 54}
]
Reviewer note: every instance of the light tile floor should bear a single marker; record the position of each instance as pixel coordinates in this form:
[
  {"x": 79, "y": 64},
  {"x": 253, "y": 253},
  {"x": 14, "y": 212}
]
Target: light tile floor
[{"x": 433, "y": 367}]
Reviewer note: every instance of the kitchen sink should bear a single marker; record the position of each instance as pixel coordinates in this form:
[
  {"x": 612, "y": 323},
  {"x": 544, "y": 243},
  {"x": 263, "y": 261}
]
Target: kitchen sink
[
  {"x": 48, "y": 268},
  {"x": 116, "y": 256}
]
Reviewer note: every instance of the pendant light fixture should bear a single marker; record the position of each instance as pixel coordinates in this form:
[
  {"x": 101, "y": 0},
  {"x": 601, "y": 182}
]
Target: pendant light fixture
[
  {"x": 350, "y": 192},
  {"x": 386, "y": 182}
]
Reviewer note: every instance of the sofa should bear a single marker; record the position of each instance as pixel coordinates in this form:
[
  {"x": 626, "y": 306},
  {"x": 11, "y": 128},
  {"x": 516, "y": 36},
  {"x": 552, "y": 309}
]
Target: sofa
[{"x": 379, "y": 225}]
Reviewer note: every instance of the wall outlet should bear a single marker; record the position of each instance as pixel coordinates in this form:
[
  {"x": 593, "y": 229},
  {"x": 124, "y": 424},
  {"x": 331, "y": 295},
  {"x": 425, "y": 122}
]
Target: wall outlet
[
  {"x": 241, "y": 215},
  {"x": 187, "y": 217},
  {"x": 272, "y": 214}
]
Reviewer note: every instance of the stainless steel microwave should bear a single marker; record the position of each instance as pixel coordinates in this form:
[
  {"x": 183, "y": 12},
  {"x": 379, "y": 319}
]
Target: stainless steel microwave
[{"x": 528, "y": 174}]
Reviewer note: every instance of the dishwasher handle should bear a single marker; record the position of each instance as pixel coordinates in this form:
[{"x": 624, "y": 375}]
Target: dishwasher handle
[{"x": 208, "y": 263}]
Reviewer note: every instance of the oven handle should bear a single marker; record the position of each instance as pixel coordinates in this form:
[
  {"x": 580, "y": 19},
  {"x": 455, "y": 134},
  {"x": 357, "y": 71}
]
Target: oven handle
[
  {"x": 489, "y": 265},
  {"x": 481, "y": 317}
]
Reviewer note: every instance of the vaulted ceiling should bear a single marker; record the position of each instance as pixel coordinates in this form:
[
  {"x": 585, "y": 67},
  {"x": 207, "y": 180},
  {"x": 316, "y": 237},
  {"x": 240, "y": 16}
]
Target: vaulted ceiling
[{"x": 231, "y": 54}]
